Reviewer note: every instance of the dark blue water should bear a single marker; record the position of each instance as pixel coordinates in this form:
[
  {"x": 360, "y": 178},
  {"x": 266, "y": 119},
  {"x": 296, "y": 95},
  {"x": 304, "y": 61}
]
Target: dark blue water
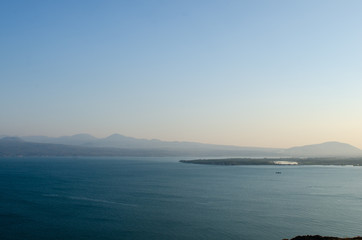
[{"x": 120, "y": 198}]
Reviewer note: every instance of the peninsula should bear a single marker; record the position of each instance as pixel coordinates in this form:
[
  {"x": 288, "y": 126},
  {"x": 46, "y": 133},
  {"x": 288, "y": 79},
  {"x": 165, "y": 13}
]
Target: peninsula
[{"x": 339, "y": 161}]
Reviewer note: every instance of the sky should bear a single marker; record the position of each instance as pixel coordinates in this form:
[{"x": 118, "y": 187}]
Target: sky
[{"x": 247, "y": 73}]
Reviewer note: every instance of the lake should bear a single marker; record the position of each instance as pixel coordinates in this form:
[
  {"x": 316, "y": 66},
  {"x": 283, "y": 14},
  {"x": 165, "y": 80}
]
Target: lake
[{"x": 160, "y": 198}]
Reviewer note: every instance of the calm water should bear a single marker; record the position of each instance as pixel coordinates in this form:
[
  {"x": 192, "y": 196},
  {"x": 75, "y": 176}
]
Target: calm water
[{"x": 124, "y": 198}]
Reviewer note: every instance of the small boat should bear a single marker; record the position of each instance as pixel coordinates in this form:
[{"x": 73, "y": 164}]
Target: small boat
[{"x": 278, "y": 172}]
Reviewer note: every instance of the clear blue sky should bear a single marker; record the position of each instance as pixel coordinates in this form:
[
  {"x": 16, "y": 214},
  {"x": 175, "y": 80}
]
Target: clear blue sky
[{"x": 252, "y": 73}]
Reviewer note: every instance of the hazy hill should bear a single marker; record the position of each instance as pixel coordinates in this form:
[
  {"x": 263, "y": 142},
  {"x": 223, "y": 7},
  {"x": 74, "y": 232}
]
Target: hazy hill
[
  {"x": 11, "y": 139},
  {"x": 17, "y": 147},
  {"x": 14, "y": 147},
  {"x": 78, "y": 139},
  {"x": 119, "y": 145},
  {"x": 181, "y": 148},
  {"x": 327, "y": 149}
]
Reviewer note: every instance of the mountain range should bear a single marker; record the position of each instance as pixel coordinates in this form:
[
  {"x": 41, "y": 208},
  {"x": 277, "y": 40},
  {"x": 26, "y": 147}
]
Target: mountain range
[{"x": 119, "y": 145}]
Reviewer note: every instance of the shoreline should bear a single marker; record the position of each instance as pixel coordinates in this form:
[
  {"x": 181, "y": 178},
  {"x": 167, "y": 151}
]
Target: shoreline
[{"x": 279, "y": 161}]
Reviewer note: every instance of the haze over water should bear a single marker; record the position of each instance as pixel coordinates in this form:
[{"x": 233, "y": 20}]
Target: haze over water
[{"x": 150, "y": 198}]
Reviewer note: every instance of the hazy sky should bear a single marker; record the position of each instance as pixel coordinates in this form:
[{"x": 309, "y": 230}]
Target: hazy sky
[{"x": 252, "y": 73}]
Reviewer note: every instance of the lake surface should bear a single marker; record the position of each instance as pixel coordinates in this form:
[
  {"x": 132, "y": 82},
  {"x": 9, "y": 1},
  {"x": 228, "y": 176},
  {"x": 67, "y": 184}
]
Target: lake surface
[{"x": 159, "y": 198}]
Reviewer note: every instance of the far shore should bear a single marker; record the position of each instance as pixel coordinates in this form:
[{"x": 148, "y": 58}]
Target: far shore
[{"x": 337, "y": 161}]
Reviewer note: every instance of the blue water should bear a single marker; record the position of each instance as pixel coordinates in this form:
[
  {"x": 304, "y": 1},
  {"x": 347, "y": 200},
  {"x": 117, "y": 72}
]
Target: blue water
[{"x": 150, "y": 198}]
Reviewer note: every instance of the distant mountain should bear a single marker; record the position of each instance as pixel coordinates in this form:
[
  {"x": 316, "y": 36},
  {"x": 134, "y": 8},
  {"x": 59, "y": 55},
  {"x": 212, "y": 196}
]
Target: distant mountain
[
  {"x": 327, "y": 149},
  {"x": 11, "y": 139},
  {"x": 119, "y": 145},
  {"x": 78, "y": 139},
  {"x": 18, "y": 148},
  {"x": 120, "y": 141},
  {"x": 181, "y": 148}
]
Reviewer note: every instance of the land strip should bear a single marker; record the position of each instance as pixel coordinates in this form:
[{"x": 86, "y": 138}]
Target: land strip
[{"x": 279, "y": 161}]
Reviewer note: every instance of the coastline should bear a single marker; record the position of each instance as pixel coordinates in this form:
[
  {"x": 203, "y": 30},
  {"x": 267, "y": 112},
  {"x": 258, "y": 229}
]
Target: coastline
[{"x": 332, "y": 161}]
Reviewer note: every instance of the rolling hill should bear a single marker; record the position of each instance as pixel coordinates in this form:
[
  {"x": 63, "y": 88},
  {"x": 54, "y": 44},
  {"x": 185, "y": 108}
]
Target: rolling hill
[
  {"x": 327, "y": 149},
  {"x": 119, "y": 145}
]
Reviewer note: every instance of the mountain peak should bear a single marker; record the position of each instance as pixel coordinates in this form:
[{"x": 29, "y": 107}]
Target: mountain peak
[
  {"x": 326, "y": 149},
  {"x": 116, "y": 136}
]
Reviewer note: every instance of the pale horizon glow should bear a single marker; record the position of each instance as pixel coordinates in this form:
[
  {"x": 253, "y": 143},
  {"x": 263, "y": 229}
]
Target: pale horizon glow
[{"x": 245, "y": 73}]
